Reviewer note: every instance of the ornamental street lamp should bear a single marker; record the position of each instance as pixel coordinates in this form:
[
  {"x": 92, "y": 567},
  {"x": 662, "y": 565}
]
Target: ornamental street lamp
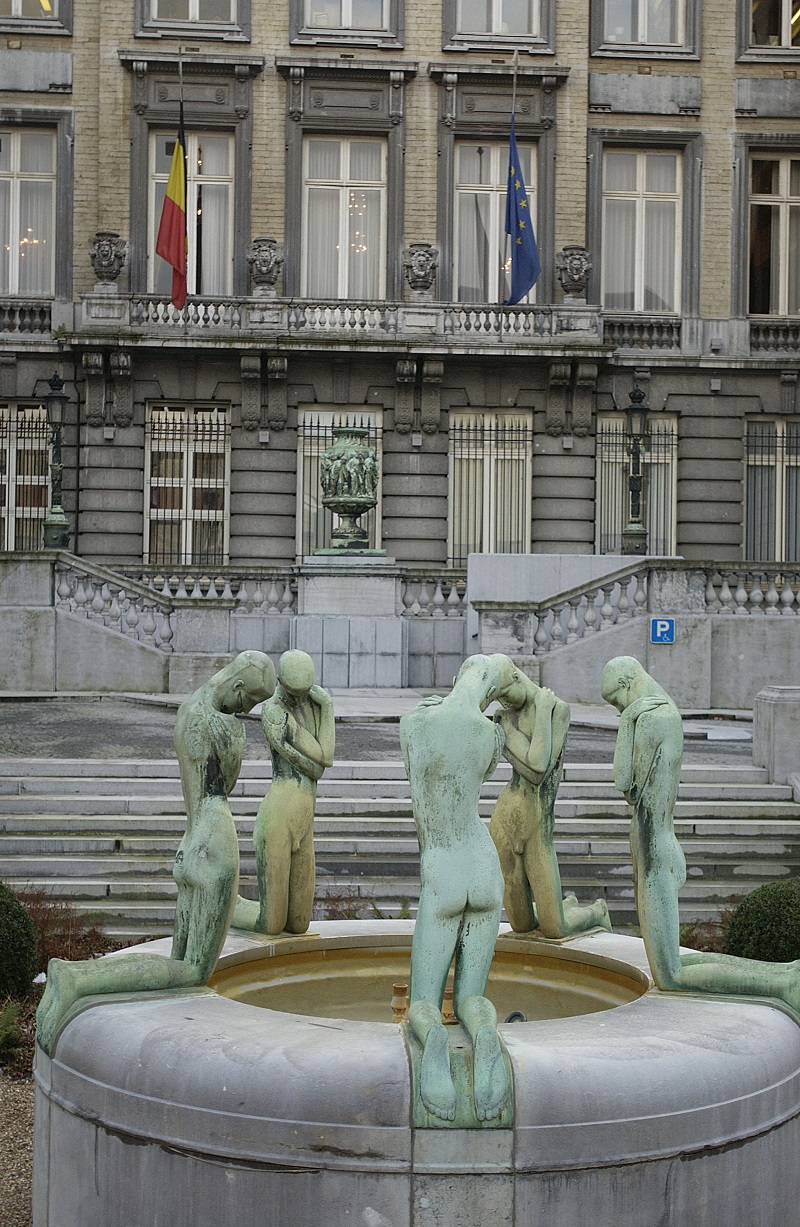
[
  {"x": 634, "y": 537},
  {"x": 56, "y": 526}
]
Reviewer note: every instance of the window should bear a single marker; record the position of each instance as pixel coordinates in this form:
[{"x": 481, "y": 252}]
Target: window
[
  {"x": 772, "y": 493},
  {"x": 774, "y": 235},
  {"x": 371, "y": 23},
  {"x": 775, "y": 23},
  {"x": 187, "y": 479},
  {"x": 508, "y": 17},
  {"x": 489, "y": 484},
  {"x": 659, "y": 483},
  {"x": 346, "y": 14},
  {"x": 641, "y": 238},
  {"x": 344, "y": 218},
  {"x": 482, "y": 263},
  {"x": 209, "y": 212},
  {"x": 40, "y": 16},
  {"x": 657, "y": 23},
  {"x": 27, "y": 211},
  {"x": 314, "y": 522},
  {"x": 226, "y": 19},
  {"x": 24, "y": 476}
]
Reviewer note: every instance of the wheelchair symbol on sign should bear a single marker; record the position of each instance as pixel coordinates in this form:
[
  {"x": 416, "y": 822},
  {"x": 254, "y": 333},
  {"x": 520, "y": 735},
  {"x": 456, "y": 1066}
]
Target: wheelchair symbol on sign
[{"x": 662, "y": 630}]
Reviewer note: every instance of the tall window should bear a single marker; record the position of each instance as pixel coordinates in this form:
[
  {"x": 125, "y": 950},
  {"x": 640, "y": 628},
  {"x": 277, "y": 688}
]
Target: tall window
[
  {"x": 775, "y": 23},
  {"x": 774, "y": 236},
  {"x": 27, "y": 211},
  {"x": 498, "y": 17},
  {"x": 482, "y": 261},
  {"x": 647, "y": 22},
  {"x": 489, "y": 484},
  {"x": 641, "y": 230},
  {"x": 29, "y": 10},
  {"x": 314, "y": 522},
  {"x": 347, "y": 14},
  {"x": 209, "y": 212},
  {"x": 210, "y": 11},
  {"x": 772, "y": 496},
  {"x": 187, "y": 479},
  {"x": 344, "y": 218},
  {"x": 659, "y": 453},
  {"x": 24, "y": 475}
]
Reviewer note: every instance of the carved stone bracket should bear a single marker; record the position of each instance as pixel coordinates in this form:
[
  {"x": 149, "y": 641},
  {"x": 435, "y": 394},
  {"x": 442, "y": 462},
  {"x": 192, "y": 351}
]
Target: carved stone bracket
[
  {"x": 406, "y": 376},
  {"x": 420, "y": 261},
  {"x": 788, "y": 391},
  {"x": 296, "y": 93},
  {"x": 107, "y": 252},
  {"x": 396, "y": 96},
  {"x": 95, "y": 375},
  {"x": 557, "y": 398},
  {"x": 121, "y": 388},
  {"x": 573, "y": 265},
  {"x": 241, "y": 104},
  {"x": 432, "y": 373},
  {"x": 449, "y": 81},
  {"x": 265, "y": 259},
  {"x": 277, "y": 410},
  {"x": 250, "y": 369},
  {"x": 8, "y": 374},
  {"x": 583, "y": 398},
  {"x": 140, "y": 86}
]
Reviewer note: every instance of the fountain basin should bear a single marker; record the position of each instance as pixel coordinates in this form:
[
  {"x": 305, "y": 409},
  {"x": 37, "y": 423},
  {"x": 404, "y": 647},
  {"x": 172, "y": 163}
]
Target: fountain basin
[{"x": 208, "y": 1109}]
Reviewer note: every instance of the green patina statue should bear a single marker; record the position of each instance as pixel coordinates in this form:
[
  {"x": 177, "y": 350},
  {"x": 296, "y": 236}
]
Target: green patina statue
[
  {"x": 450, "y": 748},
  {"x": 210, "y": 743},
  {"x": 647, "y": 768},
  {"x": 299, "y": 727},
  {"x": 535, "y": 724}
]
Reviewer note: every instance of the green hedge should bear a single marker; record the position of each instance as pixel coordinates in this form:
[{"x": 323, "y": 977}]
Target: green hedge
[
  {"x": 17, "y": 946},
  {"x": 766, "y": 924}
]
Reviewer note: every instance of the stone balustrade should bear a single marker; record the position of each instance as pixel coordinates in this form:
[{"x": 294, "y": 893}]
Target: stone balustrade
[{"x": 123, "y": 605}]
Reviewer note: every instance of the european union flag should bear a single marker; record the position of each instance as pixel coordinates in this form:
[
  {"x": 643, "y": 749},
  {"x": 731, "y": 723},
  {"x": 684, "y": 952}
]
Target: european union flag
[{"x": 525, "y": 265}]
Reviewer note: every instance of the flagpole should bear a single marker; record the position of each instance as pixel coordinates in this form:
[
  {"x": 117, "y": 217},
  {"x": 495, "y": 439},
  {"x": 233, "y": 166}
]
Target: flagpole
[{"x": 513, "y": 112}]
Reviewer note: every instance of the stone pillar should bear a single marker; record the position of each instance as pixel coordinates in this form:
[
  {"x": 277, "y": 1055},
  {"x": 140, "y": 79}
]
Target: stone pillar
[{"x": 776, "y": 732}]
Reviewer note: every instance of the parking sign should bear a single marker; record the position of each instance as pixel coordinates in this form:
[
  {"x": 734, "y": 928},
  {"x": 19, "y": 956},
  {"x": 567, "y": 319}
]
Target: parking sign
[{"x": 662, "y": 630}]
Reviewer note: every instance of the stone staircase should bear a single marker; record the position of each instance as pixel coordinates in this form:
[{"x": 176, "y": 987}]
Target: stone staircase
[{"x": 102, "y": 835}]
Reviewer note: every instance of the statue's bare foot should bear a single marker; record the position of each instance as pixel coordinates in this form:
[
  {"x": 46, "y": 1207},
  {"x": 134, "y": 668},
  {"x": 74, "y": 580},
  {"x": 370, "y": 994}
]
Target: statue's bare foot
[
  {"x": 436, "y": 1083},
  {"x": 245, "y": 914},
  {"x": 579, "y": 917},
  {"x": 602, "y": 918},
  {"x": 490, "y": 1077},
  {"x": 62, "y": 991}
]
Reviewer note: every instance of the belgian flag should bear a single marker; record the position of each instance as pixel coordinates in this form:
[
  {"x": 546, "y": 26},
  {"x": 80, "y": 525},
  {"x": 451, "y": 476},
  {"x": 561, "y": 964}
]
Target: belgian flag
[{"x": 171, "y": 243}]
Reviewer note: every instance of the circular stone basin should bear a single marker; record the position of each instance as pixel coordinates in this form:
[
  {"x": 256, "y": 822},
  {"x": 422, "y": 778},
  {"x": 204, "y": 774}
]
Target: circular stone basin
[
  {"x": 354, "y": 978},
  {"x": 278, "y": 1096}
]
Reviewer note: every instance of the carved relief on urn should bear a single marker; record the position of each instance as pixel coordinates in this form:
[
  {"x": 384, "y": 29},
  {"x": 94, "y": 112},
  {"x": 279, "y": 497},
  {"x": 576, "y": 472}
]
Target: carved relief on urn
[
  {"x": 107, "y": 252},
  {"x": 420, "y": 261},
  {"x": 265, "y": 259},
  {"x": 349, "y": 478},
  {"x": 573, "y": 265}
]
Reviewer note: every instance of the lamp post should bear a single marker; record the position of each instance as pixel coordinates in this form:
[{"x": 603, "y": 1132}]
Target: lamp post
[
  {"x": 634, "y": 537},
  {"x": 56, "y": 526}
]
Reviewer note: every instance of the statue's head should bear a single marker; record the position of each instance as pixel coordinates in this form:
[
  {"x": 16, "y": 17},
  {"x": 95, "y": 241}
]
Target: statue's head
[
  {"x": 296, "y": 673},
  {"x": 249, "y": 679},
  {"x": 514, "y": 687},
  {"x": 485, "y": 672},
  {"x": 622, "y": 678}
]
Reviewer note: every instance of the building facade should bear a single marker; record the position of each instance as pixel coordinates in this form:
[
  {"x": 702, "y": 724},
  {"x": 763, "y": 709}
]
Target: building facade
[{"x": 347, "y": 163}]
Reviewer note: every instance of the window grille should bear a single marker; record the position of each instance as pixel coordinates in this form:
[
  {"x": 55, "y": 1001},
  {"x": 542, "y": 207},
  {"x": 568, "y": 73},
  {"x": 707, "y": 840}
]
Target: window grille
[
  {"x": 315, "y": 433},
  {"x": 659, "y": 484},
  {"x": 772, "y": 491},
  {"x": 188, "y": 484},
  {"x": 490, "y": 484},
  {"x": 24, "y": 476}
]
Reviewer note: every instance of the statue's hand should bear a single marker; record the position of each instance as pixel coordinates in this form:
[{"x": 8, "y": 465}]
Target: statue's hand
[
  {"x": 432, "y": 700},
  {"x": 546, "y": 699},
  {"x": 320, "y": 697}
]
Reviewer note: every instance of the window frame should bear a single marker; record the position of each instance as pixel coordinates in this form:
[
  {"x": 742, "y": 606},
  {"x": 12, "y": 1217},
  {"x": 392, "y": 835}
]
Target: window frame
[
  {"x": 541, "y": 43},
  {"x": 390, "y": 35},
  {"x": 15, "y": 177},
  {"x": 784, "y": 203},
  {"x": 10, "y": 414},
  {"x": 325, "y": 417},
  {"x": 690, "y": 146},
  {"x": 614, "y": 423},
  {"x": 746, "y": 146},
  {"x": 62, "y": 122},
  {"x": 781, "y": 464},
  {"x": 186, "y": 516},
  {"x": 238, "y": 31},
  {"x": 59, "y": 26},
  {"x": 747, "y": 51},
  {"x": 483, "y": 420},
  {"x": 688, "y": 49}
]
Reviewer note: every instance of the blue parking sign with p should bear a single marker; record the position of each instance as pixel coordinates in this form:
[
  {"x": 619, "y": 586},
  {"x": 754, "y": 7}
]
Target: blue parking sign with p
[{"x": 662, "y": 630}]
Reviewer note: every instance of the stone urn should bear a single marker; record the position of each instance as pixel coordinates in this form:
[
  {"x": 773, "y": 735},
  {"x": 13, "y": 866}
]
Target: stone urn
[{"x": 349, "y": 477}]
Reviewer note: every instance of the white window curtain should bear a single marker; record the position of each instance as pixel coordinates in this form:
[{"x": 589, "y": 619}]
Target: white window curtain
[
  {"x": 210, "y": 11},
  {"x": 187, "y": 479},
  {"x": 344, "y": 218},
  {"x": 24, "y": 476},
  {"x": 499, "y": 17},
  {"x": 482, "y": 264},
  {"x": 641, "y": 231},
  {"x": 27, "y": 211},
  {"x": 489, "y": 484},
  {"x": 651, "y": 22},
  {"x": 346, "y": 14},
  {"x": 209, "y": 212}
]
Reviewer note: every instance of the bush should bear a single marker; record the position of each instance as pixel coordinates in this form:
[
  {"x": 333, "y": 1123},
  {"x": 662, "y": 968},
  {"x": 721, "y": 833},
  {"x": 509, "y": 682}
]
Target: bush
[
  {"x": 17, "y": 946},
  {"x": 10, "y": 1034},
  {"x": 766, "y": 924},
  {"x": 61, "y": 932}
]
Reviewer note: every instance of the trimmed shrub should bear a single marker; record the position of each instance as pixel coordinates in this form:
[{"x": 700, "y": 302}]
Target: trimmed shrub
[
  {"x": 766, "y": 924},
  {"x": 17, "y": 946}
]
